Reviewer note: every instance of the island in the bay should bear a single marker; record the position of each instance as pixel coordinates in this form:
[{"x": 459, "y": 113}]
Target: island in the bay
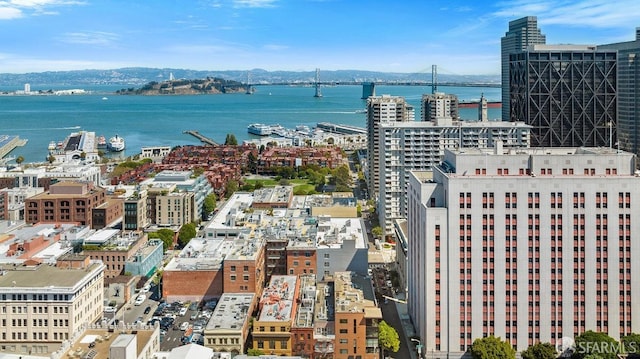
[{"x": 209, "y": 85}]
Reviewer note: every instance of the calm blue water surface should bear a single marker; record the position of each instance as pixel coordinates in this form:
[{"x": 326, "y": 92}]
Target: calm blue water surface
[{"x": 161, "y": 120}]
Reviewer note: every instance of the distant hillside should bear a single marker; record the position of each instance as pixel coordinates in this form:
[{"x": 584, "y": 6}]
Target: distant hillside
[
  {"x": 138, "y": 76},
  {"x": 186, "y": 87}
]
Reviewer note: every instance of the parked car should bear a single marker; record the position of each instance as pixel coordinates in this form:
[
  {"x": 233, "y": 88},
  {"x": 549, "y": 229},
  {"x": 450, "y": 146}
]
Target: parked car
[
  {"x": 182, "y": 311},
  {"x": 184, "y": 326},
  {"x": 140, "y": 299},
  {"x": 147, "y": 310},
  {"x": 110, "y": 309},
  {"x": 145, "y": 289}
]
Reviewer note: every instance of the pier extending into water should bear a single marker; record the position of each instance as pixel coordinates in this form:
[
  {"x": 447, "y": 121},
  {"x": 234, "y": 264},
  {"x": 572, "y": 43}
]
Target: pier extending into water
[
  {"x": 204, "y": 139},
  {"x": 8, "y": 143}
]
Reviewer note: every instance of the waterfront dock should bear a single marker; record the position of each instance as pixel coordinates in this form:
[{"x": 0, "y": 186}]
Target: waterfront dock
[
  {"x": 204, "y": 139},
  {"x": 9, "y": 143}
]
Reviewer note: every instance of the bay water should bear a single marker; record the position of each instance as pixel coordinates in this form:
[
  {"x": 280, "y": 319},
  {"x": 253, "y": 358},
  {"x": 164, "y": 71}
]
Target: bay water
[{"x": 161, "y": 120}]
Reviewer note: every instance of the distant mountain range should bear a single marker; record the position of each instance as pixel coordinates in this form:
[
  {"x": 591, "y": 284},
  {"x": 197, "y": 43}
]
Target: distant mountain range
[{"x": 141, "y": 75}]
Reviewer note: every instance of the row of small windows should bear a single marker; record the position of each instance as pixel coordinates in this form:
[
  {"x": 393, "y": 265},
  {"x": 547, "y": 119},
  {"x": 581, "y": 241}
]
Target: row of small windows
[{"x": 56, "y": 297}]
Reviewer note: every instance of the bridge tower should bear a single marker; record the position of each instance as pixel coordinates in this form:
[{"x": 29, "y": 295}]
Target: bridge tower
[
  {"x": 317, "y": 84},
  {"x": 249, "y": 88},
  {"x": 434, "y": 79},
  {"x": 368, "y": 89}
]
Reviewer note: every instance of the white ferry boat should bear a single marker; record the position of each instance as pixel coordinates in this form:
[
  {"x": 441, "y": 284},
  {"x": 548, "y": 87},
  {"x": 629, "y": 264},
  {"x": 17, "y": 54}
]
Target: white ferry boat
[
  {"x": 116, "y": 144},
  {"x": 259, "y": 129}
]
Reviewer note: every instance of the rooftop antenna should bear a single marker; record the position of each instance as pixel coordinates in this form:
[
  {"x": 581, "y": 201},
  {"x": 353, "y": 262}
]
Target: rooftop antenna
[{"x": 434, "y": 79}]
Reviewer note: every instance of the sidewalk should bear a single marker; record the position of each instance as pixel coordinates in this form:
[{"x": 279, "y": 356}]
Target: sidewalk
[{"x": 407, "y": 327}]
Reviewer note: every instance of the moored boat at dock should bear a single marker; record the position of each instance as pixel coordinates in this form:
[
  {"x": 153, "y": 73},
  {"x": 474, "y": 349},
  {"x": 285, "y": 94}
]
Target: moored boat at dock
[{"x": 116, "y": 144}]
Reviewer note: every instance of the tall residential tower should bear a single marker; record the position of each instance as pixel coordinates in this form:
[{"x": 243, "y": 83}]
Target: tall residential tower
[{"x": 380, "y": 110}]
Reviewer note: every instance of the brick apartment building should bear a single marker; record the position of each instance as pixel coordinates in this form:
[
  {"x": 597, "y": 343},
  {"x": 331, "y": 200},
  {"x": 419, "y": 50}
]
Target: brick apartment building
[{"x": 66, "y": 202}]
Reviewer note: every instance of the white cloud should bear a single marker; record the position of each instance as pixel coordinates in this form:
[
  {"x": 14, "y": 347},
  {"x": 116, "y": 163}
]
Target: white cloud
[
  {"x": 90, "y": 38},
  {"x": 13, "y": 9},
  {"x": 254, "y": 3},
  {"x": 594, "y": 13},
  {"x": 8, "y": 13}
]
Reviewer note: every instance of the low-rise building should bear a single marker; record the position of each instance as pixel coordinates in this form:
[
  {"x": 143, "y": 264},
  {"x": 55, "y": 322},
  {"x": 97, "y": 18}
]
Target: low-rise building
[
  {"x": 273, "y": 197},
  {"x": 12, "y": 201},
  {"x": 278, "y": 306},
  {"x": 135, "y": 211},
  {"x": 156, "y": 153},
  {"x": 134, "y": 342},
  {"x": 228, "y": 328},
  {"x": 45, "y": 305},
  {"x": 146, "y": 260},
  {"x": 185, "y": 182},
  {"x": 302, "y": 328},
  {"x": 341, "y": 246},
  {"x": 40, "y": 243},
  {"x": 356, "y": 317},
  {"x": 107, "y": 214},
  {"x": 65, "y": 202},
  {"x": 112, "y": 249}
]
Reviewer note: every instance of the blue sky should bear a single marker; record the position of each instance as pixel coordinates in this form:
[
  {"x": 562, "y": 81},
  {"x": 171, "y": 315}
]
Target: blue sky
[{"x": 461, "y": 37}]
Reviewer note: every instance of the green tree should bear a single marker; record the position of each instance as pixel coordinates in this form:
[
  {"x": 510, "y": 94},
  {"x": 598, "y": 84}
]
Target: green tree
[
  {"x": 186, "y": 233},
  {"x": 230, "y": 188},
  {"x": 231, "y": 140},
  {"x": 254, "y": 352},
  {"x": 252, "y": 163},
  {"x": 342, "y": 177},
  {"x": 377, "y": 231},
  {"x": 591, "y": 342},
  {"x": 388, "y": 337},
  {"x": 83, "y": 155},
  {"x": 492, "y": 348},
  {"x": 165, "y": 235},
  {"x": 19, "y": 160},
  {"x": 540, "y": 351},
  {"x": 209, "y": 204},
  {"x": 631, "y": 344},
  {"x": 51, "y": 159}
]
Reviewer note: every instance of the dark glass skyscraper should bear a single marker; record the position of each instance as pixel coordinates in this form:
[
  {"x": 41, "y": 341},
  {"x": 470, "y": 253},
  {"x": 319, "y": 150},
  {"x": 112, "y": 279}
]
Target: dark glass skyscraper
[
  {"x": 522, "y": 33},
  {"x": 567, "y": 93},
  {"x": 628, "y": 129}
]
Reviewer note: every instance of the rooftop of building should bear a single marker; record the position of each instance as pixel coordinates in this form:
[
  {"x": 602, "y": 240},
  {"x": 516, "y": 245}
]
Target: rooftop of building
[
  {"x": 49, "y": 232},
  {"x": 541, "y": 151},
  {"x": 103, "y": 339},
  {"x": 354, "y": 293},
  {"x": 278, "y": 298},
  {"x": 146, "y": 249},
  {"x": 324, "y": 200},
  {"x": 232, "y": 311},
  {"x": 43, "y": 276},
  {"x": 307, "y": 299},
  {"x": 112, "y": 239},
  {"x": 332, "y": 232},
  {"x": 233, "y": 209},
  {"x": 277, "y": 194},
  {"x": 201, "y": 254}
]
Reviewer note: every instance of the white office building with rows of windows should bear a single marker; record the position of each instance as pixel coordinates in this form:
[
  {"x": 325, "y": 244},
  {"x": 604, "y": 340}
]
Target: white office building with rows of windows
[{"x": 531, "y": 245}]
